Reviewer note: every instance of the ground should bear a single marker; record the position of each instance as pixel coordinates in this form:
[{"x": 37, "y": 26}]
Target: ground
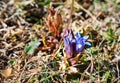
[{"x": 32, "y": 49}]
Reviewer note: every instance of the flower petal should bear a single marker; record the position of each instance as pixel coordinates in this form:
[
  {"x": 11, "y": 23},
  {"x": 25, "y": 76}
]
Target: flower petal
[
  {"x": 73, "y": 41},
  {"x": 78, "y": 35},
  {"x": 79, "y": 48},
  {"x": 88, "y": 43},
  {"x": 79, "y": 45},
  {"x": 70, "y": 34},
  {"x": 85, "y": 37},
  {"x": 68, "y": 47}
]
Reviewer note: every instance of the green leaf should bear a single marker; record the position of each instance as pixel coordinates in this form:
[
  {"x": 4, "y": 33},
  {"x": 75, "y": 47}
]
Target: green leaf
[
  {"x": 107, "y": 76},
  {"x": 32, "y": 79},
  {"x": 11, "y": 62},
  {"x": 83, "y": 59},
  {"x": 111, "y": 31},
  {"x": 30, "y": 48},
  {"x": 44, "y": 2},
  {"x": 117, "y": 33},
  {"x": 107, "y": 35}
]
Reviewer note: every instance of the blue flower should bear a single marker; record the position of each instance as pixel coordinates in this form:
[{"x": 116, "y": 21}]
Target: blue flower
[{"x": 74, "y": 44}]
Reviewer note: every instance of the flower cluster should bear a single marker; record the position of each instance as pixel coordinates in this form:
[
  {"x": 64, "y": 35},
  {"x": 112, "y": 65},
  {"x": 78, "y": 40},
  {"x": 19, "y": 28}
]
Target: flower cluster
[{"x": 74, "y": 45}]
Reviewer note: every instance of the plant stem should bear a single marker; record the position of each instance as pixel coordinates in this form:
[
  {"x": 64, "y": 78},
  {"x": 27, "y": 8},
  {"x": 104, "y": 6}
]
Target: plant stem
[{"x": 67, "y": 27}]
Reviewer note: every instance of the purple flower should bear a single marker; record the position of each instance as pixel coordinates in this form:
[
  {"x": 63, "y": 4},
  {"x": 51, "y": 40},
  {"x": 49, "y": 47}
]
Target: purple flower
[{"x": 74, "y": 44}]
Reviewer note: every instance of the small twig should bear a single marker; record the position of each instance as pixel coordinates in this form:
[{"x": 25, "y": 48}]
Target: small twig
[
  {"x": 118, "y": 70},
  {"x": 88, "y": 12},
  {"x": 82, "y": 77}
]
